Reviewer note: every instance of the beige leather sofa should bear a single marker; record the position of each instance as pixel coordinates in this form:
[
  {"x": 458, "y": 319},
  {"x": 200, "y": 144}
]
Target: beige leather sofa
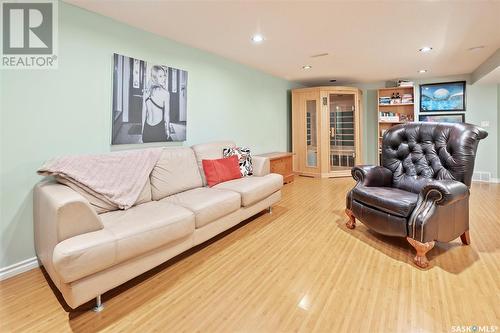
[{"x": 87, "y": 254}]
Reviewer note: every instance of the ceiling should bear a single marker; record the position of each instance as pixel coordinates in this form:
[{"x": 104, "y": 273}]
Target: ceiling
[{"x": 366, "y": 41}]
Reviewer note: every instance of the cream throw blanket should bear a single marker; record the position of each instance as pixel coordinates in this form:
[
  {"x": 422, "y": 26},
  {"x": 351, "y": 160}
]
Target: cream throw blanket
[{"x": 117, "y": 178}]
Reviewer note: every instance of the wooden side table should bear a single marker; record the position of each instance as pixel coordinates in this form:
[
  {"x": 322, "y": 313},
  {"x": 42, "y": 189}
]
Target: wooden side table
[{"x": 281, "y": 163}]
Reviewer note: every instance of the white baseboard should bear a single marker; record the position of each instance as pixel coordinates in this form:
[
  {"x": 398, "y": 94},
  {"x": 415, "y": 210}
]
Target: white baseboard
[
  {"x": 484, "y": 177},
  {"x": 18, "y": 268},
  {"x": 491, "y": 181}
]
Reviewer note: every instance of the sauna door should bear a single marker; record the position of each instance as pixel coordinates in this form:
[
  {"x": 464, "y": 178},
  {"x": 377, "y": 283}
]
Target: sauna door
[
  {"x": 307, "y": 133},
  {"x": 342, "y": 131}
]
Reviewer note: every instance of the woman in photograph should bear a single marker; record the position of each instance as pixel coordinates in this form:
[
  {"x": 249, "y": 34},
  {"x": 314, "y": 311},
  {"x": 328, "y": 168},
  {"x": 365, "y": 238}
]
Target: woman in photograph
[{"x": 156, "y": 109}]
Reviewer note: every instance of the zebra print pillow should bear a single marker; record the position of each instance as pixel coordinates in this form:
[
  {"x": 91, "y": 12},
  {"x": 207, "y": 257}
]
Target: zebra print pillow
[{"x": 244, "y": 158}]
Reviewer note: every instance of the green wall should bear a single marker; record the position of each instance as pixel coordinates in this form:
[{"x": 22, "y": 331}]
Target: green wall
[
  {"x": 483, "y": 103},
  {"x": 46, "y": 113},
  {"x": 369, "y": 120}
]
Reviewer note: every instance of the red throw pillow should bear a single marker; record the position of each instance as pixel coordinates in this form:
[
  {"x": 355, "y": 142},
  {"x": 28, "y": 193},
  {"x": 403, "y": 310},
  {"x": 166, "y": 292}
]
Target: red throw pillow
[{"x": 221, "y": 170}]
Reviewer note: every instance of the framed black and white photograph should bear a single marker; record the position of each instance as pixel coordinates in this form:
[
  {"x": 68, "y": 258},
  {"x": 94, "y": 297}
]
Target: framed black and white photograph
[
  {"x": 445, "y": 96},
  {"x": 149, "y": 102},
  {"x": 442, "y": 118}
]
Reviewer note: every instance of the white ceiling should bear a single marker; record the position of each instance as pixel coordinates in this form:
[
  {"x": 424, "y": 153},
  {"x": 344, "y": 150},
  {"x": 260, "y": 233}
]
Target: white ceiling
[{"x": 367, "y": 41}]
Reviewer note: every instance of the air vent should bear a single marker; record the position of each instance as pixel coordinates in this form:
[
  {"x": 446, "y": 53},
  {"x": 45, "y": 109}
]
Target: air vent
[
  {"x": 319, "y": 55},
  {"x": 485, "y": 176},
  {"x": 481, "y": 176}
]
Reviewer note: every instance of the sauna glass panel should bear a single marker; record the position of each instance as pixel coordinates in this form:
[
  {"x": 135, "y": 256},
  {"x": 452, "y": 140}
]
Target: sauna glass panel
[
  {"x": 342, "y": 136},
  {"x": 311, "y": 134}
]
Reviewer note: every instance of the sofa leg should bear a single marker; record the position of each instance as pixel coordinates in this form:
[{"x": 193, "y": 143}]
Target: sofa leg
[
  {"x": 99, "y": 306},
  {"x": 422, "y": 248},
  {"x": 351, "y": 224},
  {"x": 270, "y": 209},
  {"x": 465, "y": 237}
]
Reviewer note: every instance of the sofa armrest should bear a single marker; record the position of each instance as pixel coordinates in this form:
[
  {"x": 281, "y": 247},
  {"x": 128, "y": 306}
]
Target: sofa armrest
[
  {"x": 61, "y": 210},
  {"x": 444, "y": 192},
  {"x": 372, "y": 175},
  {"x": 261, "y": 165}
]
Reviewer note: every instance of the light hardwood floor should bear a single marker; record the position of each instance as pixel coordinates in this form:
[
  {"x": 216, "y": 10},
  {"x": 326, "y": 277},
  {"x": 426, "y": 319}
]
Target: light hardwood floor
[{"x": 299, "y": 269}]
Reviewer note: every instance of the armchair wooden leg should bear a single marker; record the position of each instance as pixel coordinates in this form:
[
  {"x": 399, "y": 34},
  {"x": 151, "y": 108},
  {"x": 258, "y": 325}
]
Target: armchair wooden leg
[
  {"x": 351, "y": 224},
  {"x": 465, "y": 237},
  {"x": 422, "y": 248}
]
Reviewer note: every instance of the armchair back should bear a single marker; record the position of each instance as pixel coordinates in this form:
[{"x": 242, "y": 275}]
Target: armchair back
[{"x": 417, "y": 153}]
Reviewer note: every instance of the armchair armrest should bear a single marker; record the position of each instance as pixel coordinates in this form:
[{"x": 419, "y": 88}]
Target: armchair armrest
[
  {"x": 372, "y": 175},
  {"x": 444, "y": 192},
  {"x": 441, "y": 213},
  {"x": 261, "y": 165}
]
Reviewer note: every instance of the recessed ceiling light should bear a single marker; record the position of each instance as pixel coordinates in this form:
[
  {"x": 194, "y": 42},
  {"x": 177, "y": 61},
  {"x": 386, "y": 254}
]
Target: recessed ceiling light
[
  {"x": 307, "y": 67},
  {"x": 422, "y": 71},
  {"x": 257, "y": 38},
  {"x": 476, "y": 48},
  {"x": 425, "y": 49}
]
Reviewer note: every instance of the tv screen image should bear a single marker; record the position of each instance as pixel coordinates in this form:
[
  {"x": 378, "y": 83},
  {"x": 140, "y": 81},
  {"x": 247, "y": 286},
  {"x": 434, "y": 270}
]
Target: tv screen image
[{"x": 448, "y": 96}]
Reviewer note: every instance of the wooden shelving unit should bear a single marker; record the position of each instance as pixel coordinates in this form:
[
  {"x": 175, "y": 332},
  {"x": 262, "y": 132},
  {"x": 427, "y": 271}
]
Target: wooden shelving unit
[{"x": 405, "y": 111}]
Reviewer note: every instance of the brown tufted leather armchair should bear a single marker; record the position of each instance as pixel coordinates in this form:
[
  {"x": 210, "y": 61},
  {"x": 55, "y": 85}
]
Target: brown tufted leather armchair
[{"x": 421, "y": 191}]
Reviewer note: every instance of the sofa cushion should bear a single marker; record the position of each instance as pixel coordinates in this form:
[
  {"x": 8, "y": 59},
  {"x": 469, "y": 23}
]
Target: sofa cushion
[
  {"x": 253, "y": 188},
  {"x": 244, "y": 159},
  {"x": 380, "y": 221},
  {"x": 210, "y": 151},
  {"x": 126, "y": 234},
  {"x": 176, "y": 171},
  {"x": 388, "y": 199},
  {"x": 221, "y": 170},
  {"x": 208, "y": 204}
]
